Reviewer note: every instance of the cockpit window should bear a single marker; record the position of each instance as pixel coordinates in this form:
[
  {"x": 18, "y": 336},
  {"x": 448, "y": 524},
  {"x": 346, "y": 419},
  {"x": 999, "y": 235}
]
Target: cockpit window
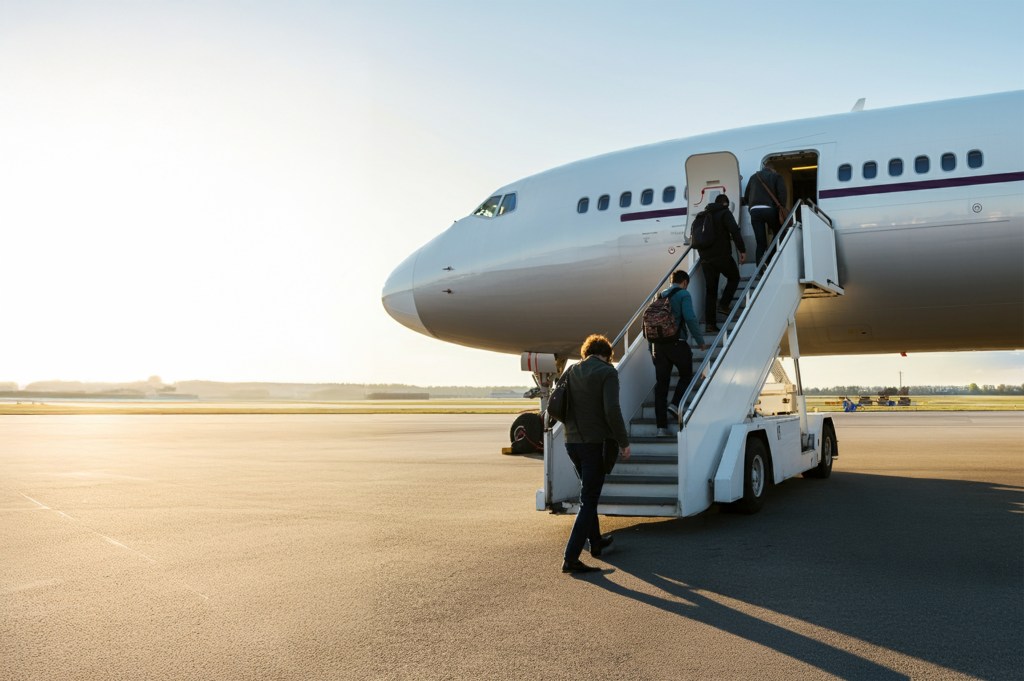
[
  {"x": 488, "y": 208},
  {"x": 508, "y": 204},
  {"x": 496, "y": 205}
]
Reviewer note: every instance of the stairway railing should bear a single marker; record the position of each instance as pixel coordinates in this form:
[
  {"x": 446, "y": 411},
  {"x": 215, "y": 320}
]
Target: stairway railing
[
  {"x": 717, "y": 350},
  {"x": 624, "y": 334}
]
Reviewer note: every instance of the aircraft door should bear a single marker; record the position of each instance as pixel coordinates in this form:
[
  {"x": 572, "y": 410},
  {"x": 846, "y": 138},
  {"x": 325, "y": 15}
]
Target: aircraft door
[{"x": 707, "y": 176}]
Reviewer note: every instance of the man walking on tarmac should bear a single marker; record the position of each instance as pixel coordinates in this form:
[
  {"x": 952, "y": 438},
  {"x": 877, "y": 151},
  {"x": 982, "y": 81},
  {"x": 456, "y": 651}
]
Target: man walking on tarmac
[{"x": 716, "y": 260}]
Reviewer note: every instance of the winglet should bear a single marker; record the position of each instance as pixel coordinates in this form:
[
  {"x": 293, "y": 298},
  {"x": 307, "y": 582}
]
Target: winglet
[{"x": 859, "y": 106}]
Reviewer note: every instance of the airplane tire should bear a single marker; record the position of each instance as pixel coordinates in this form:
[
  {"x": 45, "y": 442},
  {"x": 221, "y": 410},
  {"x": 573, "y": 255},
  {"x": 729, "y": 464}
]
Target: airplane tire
[
  {"x": 755, "y": 476},
  {"x": 829, "y": 448},
  {"x": 527, "y": 434}
]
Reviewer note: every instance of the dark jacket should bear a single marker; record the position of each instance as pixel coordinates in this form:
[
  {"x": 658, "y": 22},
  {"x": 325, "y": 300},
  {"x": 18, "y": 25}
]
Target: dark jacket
[
  {"x": 725, "y": 229},
  {"x": 757, "y": 195},
  {"x": 594, "y": 413}
]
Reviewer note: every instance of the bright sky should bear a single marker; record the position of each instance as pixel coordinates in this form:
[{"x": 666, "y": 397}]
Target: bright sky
[{"x": 206, "y": 189}]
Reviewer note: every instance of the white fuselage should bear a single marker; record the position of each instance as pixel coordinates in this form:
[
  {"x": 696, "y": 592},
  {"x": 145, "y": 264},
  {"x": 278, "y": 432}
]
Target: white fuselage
[{"x": 930, "y": 259}]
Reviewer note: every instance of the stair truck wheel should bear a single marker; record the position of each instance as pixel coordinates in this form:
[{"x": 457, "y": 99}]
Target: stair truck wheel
[
  {"x": 829, "y": 449},
  {"x": 527, "y": 433},
  {"x": 755, "y": 476}
]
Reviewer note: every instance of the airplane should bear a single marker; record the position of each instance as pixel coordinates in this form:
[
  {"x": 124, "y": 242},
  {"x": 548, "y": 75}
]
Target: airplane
[
  {"x": 911, "y": 221},
  {"x": 927, "y": 202}
]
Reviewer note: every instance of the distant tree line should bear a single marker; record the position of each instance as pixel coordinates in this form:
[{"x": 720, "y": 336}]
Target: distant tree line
[
  {"x": 255, "y": 390},
  {"x": 971, "y": 389}
]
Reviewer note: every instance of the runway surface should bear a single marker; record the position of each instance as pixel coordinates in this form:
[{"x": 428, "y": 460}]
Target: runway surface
[{"x": 407, "y": 547}]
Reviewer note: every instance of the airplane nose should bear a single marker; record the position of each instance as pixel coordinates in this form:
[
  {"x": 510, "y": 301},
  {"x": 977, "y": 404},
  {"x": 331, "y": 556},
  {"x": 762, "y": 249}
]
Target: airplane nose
[{"x": 398, "y": 299}]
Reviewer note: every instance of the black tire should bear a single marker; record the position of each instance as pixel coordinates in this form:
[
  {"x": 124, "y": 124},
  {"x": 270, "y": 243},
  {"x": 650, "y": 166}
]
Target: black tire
[
  {"x": 829, "y": 449},
  {"x": 756, "y": 475},
  {"x": 527, "y": 434}
]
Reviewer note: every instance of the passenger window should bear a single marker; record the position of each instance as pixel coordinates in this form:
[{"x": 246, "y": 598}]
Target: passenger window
[
  {"x": 489, "y": 207},
  {"x": 870, "y": 170},
  {"x": 625, "y": 199},
  {"x": 921, "y": 165},
  {"x": 974, "y": 159},
  {"x": 602, "y": 202},
  {"x": 845, "y": 172},
  {"x": 896, "y": 167},
  {"x": 647, "y": 197},
  {"x": 508, "y": 204},
  {"x": 948, "y": 162},
  {"x": 583, "y": 205},
  {"x": 668, "y": 195}
]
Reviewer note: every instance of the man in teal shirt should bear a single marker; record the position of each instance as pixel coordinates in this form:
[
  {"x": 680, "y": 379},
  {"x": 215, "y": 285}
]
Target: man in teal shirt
[{"x": 675, "y": 353}]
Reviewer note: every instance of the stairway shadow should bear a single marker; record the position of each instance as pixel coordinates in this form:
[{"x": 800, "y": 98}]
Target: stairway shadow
[{"x": 927, "y": 568}]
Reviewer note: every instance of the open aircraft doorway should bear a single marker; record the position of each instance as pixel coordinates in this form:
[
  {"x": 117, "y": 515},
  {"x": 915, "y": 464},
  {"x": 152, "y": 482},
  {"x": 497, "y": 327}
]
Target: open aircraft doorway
[{"x": 799, "y": 170}]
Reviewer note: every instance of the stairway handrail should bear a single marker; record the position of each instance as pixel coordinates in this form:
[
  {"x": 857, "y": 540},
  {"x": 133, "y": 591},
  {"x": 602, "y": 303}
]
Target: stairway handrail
[
  {"x": 725, "y": 338},
  {"x": 643, "y": 306}
]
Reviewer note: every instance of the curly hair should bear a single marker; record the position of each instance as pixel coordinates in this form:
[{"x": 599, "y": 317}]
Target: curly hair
[{"x": 596, "y": 344}]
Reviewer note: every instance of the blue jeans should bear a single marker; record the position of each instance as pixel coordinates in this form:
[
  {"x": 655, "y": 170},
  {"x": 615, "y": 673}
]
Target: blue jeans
[
  {"x": 761, "y": 220},
  {"x": 589, "y": 463}
]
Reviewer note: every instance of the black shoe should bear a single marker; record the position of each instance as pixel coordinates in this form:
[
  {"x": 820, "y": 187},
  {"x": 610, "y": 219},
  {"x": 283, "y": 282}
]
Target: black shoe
[
  {"x": 711, "y": 328},
  {"x": 723, "y": 310},
  {"x": 577, "y": 567},
  {"x": 606, "y": 541}
]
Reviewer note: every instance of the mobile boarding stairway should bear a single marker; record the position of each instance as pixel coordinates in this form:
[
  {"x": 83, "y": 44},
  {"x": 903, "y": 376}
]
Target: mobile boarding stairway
[{"x": 724, "y": 450}]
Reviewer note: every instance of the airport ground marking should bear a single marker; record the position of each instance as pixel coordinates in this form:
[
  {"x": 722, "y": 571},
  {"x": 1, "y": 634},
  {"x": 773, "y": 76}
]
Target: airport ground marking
[{"x": 114, "y": 542}]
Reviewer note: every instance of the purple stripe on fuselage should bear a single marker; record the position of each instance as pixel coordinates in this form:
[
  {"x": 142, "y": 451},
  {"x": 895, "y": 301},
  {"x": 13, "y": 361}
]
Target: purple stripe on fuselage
[
  {"x": 924, "y": 184},
  {"x": 860, "y": 191},
  {"x": 649, "y": 214}
]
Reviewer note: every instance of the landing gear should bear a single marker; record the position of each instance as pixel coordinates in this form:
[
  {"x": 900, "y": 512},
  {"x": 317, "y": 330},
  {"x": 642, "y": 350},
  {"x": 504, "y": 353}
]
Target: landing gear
[
  {"x": 755, "y": 476},
  {"x": 829, "y": 449},
  {"x": 527, "y": 433}
]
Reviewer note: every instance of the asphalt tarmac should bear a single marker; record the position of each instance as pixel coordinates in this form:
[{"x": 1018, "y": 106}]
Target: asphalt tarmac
[{"x": 407, "y": 547}]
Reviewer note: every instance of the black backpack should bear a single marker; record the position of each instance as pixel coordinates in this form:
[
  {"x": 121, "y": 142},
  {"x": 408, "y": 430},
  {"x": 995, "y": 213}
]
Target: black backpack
[
  {"x": 558, "y": 398},
  {"x": 702, "y": 232}
]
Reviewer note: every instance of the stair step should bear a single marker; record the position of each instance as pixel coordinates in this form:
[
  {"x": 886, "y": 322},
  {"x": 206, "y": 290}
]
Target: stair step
[
  {"x": 651, "y": 506},
  {"x": 663, "y": 500},
  {"x": 668, "y": 487},
  {"x": 646, "y": 430},
  {"x": 660, "y": 469},
  {"x": 653, "y": 458},
  {"x": 639, "y": 510},
  {"x": 615, "y": 479},
  {"x": 645, "y": 511}
]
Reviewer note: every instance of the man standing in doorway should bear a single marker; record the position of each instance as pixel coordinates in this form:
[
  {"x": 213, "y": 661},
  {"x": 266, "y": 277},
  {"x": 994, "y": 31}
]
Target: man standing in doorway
[{"x": 765, "y": 197}]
